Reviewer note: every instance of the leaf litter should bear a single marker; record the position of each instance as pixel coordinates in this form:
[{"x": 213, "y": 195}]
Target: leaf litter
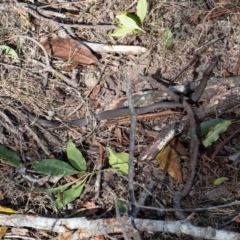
[{"x": 24, "y": 90}]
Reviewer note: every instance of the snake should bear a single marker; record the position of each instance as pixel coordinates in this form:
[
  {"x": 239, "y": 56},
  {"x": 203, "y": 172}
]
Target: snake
[{"x": 115, "y": 113}]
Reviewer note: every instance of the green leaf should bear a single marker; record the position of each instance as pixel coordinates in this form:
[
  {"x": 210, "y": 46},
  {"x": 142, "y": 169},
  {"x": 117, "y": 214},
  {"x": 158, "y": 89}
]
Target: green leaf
[
  {"x": 70, "y": 195},
  {"x": 142, "y": 9},
  {"x": 75, "y": 157},
  {"x": 128, "y": 22},
  {"x": 168, "y": 40},
  {"x": 135, "y": 18},
  {"x": 8, "y": 51},
  {"x": 214, "y": 134},
  {"x": 53, "y": 167},
  {"x": 10, "y": 156},
  {"x": 220, "y": 181},
  {"x": 118, "y": 161},
  {"x": 136, "y": 31},
  {"x": 120, "y": 32},
  {"x": 206, "y": 126}
]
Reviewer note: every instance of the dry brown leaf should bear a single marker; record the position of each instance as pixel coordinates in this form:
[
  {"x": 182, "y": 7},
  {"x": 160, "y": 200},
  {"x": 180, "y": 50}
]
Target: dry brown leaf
[
  {"x": 221, "y": 160},
  {"x": 169, "y": 161},
  {"x": 92, "y": 208},
  {"x": 69, "y": 49},
  {"x": 99, "y": 237},
  {"x": 50, "y": 156},
  {"x": 65, "y": 235},
  {"x": 95, "y": 92},
  {"x": 178, "y": 147},
  {"x": 118, "y": 134},
  {"x": 237, "y": 218},
  {"x": 84, "y": 234},
  {"x": 3, "y": 231},
  {"x": 89, "y": 205},
  {"x": 230, "y": 188}
]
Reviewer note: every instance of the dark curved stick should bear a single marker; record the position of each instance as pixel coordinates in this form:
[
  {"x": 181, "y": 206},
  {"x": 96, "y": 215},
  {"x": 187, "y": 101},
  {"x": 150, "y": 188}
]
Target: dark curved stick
[
  {"x": 194, "y": 144},
  {"x": 203, "y": 83}
]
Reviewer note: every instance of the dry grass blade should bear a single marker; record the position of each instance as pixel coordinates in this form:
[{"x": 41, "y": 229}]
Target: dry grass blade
[{"x": 71, "y": 50}]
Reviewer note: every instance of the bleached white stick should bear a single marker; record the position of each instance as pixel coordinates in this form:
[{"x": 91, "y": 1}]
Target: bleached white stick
[
  {"x": 107, "y": 226},
  {"x": 100, "y": 48}
]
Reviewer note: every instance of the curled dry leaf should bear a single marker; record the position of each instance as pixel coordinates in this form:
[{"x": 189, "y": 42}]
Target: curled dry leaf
[
  {"x": 69, "y": 49},
  {"x": 169, "y": 161}
]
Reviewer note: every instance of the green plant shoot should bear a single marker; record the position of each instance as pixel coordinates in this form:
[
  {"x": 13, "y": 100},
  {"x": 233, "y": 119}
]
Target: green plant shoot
[
  {"x": 6, "y": 50},
  {"x": 10, "y": 156},
  {"x": 129, "y": 23},
  {"x": 118, "y": 161},
  {"x": 54, "y": 167},
  {"x": 167, "y": 39},
  {"x": 220, "y": 180},
  {"x": 214, "y": 134}
]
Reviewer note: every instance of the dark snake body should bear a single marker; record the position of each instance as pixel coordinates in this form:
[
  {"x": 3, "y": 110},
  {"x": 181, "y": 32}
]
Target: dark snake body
[{"x": 196, "y": 94}]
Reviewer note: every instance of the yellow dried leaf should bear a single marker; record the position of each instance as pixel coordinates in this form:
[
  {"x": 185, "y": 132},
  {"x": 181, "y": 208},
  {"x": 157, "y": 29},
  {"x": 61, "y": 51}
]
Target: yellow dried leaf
[
  {"x": 7, "y": 210},
  {"x": 3, "y": 231},
  {"x": 169, "y": 161},
  {"x": 24, "y": 16}
]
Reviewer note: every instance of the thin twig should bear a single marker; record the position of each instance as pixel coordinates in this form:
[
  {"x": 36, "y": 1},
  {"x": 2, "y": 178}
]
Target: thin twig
[
  {"x": 154, "y": 115},
  {"x": 57, "y": 73},
  {"x": 189, "y": 64},
  {"x": 235, "y": 203},
  {"x": 237, "y": 67},
  {"x": 36, "y": 42},
  {"x": 194, "y": 144},
  {"x": 99, "y": 164},
  {"x": 89, "y": 92},
  {"x": 132, "y": 141},
  {"x": 131, "y": 153},
  {"x": 223, "y": 143},
  {"x": 23, "y": 70},
  {"x": 36, "y": 138},
  {"x": 143, "y": 198},
  {"x": 10, "y": 129},
  {"x": 52, "y": 5},
  {"x": 42, "y": 18},
  {"x": 120, "y": 220},
  {"x": 30, "y": 8},
  {"x": 145, "y": 189}
]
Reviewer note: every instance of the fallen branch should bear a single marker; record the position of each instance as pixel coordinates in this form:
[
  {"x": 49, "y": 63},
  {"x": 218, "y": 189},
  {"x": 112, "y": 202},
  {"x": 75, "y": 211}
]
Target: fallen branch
[{"x": 108, "y": 226}]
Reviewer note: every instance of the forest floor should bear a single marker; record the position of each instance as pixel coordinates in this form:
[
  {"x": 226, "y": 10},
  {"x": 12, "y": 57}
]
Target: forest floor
[{"x": 35, "y": 85}]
